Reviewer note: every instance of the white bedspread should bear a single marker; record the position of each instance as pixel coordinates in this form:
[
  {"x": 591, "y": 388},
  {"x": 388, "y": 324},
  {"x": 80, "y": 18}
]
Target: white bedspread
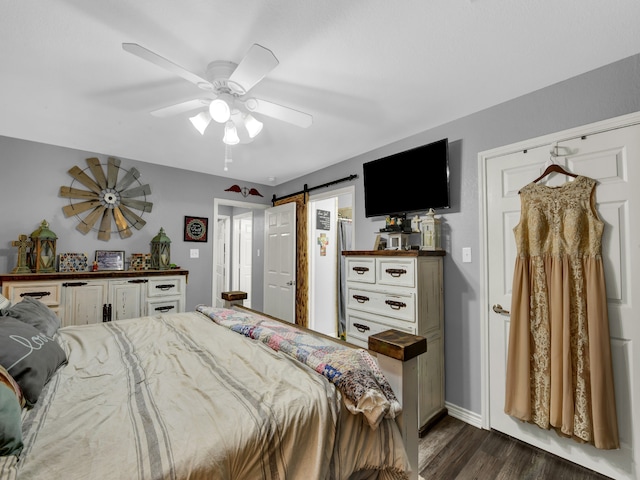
[{"x": 176, "y": 396}]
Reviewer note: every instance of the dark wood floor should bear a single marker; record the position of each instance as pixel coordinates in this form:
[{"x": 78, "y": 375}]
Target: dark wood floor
[{"x": 453, "y": 449}]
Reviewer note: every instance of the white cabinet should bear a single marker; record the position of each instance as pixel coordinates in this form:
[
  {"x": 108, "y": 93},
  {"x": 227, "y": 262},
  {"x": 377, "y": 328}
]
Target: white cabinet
[
  {"x": 91, "y": 297},
  {"x": 401, "y": 289}
]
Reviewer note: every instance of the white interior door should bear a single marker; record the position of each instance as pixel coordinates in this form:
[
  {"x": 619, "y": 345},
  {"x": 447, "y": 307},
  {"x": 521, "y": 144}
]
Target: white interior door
[
  {"x": 613, "y": 158},
  {"x": 242, "y": 254},
  {"x": 280, "y": 262},
  {"x": 221, "y": 259}
]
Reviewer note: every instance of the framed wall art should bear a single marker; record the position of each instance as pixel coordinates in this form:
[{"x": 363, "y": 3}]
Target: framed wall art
[
  {"x": 110, "y": 259},
  {"x": 195, "y": 229}
]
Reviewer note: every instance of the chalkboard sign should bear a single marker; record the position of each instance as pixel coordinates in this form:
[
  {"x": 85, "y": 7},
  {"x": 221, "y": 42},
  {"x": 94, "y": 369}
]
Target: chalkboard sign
[{"x": 323, "y": 219}]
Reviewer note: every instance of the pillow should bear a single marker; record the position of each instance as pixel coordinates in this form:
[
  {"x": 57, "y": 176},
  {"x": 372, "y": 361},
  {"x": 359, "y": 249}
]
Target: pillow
[
  {"x": 10, "y": 422},
  {"x": 9, "y": 381},
  {"x": 29, "y": 356},
  {"x": 35, "y": 313}
]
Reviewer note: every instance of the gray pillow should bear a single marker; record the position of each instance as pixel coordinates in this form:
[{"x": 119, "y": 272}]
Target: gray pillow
[
  {"x": 29, "y": 356},
  {"x": 35, "y": 313},
  {"x": 10, "y": 422}
]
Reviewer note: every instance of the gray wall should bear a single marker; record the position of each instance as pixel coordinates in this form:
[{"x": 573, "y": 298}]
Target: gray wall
[
  {"x": 603, "y": 93},
  {"x": 31, "y": 177},
  {"x": 33, "y": 173}
]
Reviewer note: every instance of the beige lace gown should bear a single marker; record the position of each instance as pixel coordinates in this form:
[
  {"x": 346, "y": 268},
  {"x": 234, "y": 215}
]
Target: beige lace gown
[{"x": 559, "y": 371}]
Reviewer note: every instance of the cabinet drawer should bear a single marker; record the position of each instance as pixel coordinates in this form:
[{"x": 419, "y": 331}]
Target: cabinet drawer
[
  {"x": 396, "y": 272},
  {"x": 397, "y": 305},
  {"x": 359, "y": 327},
  {"x": 163, "y": 286},
  {"x": 361, "y": 270},
  {"x": 47, "y": 293},
  {"x": 156, "y": 307}
]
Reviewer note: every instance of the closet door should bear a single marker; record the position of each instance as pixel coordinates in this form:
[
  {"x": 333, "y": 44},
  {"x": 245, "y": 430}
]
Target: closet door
[{"x": 613, "y": 159}]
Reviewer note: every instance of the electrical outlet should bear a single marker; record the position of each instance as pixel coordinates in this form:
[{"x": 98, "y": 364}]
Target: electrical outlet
[{"x": 194, "y": 253}]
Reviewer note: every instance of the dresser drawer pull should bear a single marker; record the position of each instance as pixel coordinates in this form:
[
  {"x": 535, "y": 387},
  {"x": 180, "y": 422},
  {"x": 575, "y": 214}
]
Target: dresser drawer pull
[
  {"x": 73, "y": 284},
  {"x": 361, "y": 328},
  {"x": 139, "y": 280},
  {"x": 360, "y": 270},
  {"x": 166, "y": 308},
  {"x": 395, "y": 272},
  {"x": 395, "y": 305},
  {"x": 35, "y": 294},
  {"x": 166, "y": 286},
  {"x": 361, "y": 298}
]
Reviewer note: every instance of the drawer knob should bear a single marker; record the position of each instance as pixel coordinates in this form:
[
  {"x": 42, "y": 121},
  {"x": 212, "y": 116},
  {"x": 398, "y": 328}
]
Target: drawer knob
[
  {"x": 395, "y": 305},
  {"x": 73, "y": 284},
  {"x": 138, "y": 280},
  {"x": 361, "y": 298},
  {"x": 361, "y": 328},
  {"x": 35, "y": 295},
  {"x": 360, "y": 270},
  {"x": 166, "y": 286},
  {"x": 165, "y": 308},
  {"x": 395, "y": 272}
]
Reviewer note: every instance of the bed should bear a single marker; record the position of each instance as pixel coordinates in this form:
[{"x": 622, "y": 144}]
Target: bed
[{"x": 210, "y": 394}]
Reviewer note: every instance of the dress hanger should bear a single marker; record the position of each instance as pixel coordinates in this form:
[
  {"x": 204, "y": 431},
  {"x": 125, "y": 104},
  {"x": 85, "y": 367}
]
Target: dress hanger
[{"x": 554, "y": 167}]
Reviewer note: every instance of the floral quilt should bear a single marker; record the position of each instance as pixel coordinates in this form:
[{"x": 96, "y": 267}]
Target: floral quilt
[{"x": 353, "y": 371}]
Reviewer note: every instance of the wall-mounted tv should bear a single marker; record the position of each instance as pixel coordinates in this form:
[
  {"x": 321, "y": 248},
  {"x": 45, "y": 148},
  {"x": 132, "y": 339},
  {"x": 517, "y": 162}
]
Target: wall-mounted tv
[{"x": 409, "y": 181}]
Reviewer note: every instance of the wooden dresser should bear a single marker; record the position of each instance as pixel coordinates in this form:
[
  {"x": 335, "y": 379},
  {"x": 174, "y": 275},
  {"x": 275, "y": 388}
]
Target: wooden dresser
[
  {"x": 91, "y": 297},
  {"x": 401, "y": 289}
]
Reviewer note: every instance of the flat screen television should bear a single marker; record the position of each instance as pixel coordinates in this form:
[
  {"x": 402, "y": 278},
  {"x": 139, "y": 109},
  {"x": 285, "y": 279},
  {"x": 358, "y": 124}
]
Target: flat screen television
[{"x": 409, "y": 181}]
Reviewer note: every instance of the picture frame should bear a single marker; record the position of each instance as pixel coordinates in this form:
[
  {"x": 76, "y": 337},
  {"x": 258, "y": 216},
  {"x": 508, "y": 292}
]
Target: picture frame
[
  {"x": 110, "y": 259},
  {"x": 196, "y": 229}
]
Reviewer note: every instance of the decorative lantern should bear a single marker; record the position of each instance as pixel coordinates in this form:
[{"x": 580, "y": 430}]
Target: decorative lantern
[
  {"x": 430, "y": 231},
  {"x": 160, "y": 251},
  {"x": 42, "y": 257}
]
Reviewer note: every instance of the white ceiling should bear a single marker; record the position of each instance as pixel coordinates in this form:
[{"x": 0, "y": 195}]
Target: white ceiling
[{"x": 371, "y": 72}]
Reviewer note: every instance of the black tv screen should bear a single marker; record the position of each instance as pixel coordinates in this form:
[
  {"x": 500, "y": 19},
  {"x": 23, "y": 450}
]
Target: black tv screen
[{"x": 409, "y": 181}]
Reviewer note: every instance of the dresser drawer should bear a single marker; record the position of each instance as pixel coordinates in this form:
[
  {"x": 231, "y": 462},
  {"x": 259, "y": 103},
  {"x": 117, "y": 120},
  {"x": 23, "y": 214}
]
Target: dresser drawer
[
  {"x": 359, "y": 327},
  {"x": 161, "y": 305},
  {"x": 45, "y": 292},
  {"x": 396, "y": 272},
  {"x": 397, "y": 305},
  {"x": 164, "y": 286},
  {"x": 361, "y": 270}
]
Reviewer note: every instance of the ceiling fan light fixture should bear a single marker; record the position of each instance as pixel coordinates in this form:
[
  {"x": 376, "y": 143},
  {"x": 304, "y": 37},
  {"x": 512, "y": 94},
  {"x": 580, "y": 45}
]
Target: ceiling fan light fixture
[
  {"x": 220, "y": 108},
  {"x": 201, "y": 121},
  {"x": 230, "y": 134},
  {"x": 253, "y": 126}
]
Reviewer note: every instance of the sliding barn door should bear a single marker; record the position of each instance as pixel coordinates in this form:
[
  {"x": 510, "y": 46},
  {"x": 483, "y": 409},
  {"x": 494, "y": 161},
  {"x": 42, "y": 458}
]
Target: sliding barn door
[{"x": 612, "y": 157}]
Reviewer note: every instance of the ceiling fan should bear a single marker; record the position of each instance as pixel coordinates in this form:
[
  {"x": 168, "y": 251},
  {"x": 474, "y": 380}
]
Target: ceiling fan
[{"x": 228, "y": 101}]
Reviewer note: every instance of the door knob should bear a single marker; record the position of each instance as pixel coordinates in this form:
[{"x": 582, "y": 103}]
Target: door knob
[{"x": 498, "y": 309}]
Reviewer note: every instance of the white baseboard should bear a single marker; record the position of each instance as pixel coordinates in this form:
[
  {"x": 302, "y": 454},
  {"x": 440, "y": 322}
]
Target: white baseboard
[{"x": 466, "y": 416}]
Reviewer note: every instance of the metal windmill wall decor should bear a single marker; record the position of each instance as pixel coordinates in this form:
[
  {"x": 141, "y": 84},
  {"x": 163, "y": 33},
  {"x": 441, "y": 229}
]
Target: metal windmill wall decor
[{"x": 111, "y": 197}]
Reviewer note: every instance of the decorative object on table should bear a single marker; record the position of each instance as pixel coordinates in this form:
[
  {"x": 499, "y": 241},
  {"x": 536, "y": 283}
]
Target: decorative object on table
[
  {"x": 73, "y": 262},
  {"x": 245, "y": 191},
  {"x": 110, "y": 198},
  {"x": 398, "y": 241},
  {"x": 415, "y": 224},
  {"x": 42, "y": 257},
  {"x": 160, "y": 251},
  {"x": 195, "y": 229},
  {"x": 140, "y": 261},
  {"x": 110, "y": 259},
  {"x": 430, "y": 231},
  {"x": 23, "y": 243}
]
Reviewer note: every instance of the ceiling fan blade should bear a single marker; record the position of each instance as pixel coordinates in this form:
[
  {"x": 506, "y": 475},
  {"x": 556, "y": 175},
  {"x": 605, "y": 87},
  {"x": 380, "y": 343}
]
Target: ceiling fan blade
[
  {"x": 137, "y": 204},
  {"x": 112, "y": 172},
  {"x": 255, "y": 65},
  {"x": 90, "y": 220},
  {"x": 75, "y": 209},
  {"x": 181, "y": 107},
  {"x": 156, "y": 59},
  {"x": 104, "y": 233},
  {"x": 121, "y": 223},
  {"x": 98, "y": 173},
  {"x": 280, "y": 112},
  {"x": 84, "y": 179},
  {"x": 136, "y": 191},
  {"x": 68, "y": 192},
  {"x": 135, "y": 220}
]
